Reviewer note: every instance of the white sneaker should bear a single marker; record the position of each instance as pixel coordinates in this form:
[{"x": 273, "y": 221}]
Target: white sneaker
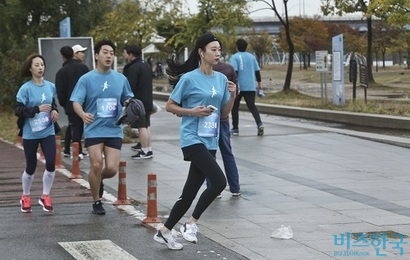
[
  {"x": 188, "y": 232},
  {"x": 168, "y": 240}
]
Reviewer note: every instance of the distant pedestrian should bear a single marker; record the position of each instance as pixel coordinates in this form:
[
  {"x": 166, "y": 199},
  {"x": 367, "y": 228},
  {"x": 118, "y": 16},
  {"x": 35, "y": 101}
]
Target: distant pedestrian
[
  {"x": 201, "y": 96},
  {"x": 231, "y": 170},
  {"x": 248, "y": 71},
  {"x": 98, "y": 98},
  {"x": 79, "y": 53},
  {"x": 66, "y": 79},
  {"x": 37, "y": 113},
  {"x": 139, "y": 75}
]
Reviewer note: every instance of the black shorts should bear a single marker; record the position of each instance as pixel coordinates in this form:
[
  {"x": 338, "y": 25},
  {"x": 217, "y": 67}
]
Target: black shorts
[
  {"x": 143, "y": 122},
  {"x": 115, "y": 143}
]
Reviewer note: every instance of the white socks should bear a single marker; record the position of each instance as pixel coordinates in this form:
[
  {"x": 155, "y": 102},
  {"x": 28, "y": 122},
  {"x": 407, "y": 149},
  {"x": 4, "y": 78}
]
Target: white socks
[
  {"x": 27, "y": 181},
  {"x": 48, "y": 179}
]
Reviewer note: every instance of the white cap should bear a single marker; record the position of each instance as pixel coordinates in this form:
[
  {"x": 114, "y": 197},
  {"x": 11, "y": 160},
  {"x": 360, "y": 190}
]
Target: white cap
[{"x": 78, "y": 47}]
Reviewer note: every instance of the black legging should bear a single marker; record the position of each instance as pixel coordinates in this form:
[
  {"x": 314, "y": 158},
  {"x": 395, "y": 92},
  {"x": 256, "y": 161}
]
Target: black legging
[
  {"x": 203, "y": 165},
  {"x": 250, "y": 103},
  {"x": 48, "y": 146}
]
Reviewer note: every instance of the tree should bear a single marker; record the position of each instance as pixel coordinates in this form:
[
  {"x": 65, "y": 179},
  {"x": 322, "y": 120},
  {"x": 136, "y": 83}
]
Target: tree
[
  {"x": 129, "y": 22},
  {"x": 353, "y": 40},
  {"x": 308, "y": 34},
  {"x": 340, "y": 7},
  {"x": 383, "y": 39},
  {"x": 23, "y": 22},
  {"x": 213, "y": 16},
  {"x": 395, "y": 12},
  {"x": 291, "y": 47},
  {"x": 261, "y": 44}
]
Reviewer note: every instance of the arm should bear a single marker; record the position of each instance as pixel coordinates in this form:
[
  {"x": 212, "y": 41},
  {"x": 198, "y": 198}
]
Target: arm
[
  {"x": 258, "y": 78},
  {"x": 175, "y": 108},
  {"x": 226, "y": 109},
  {"x": 61, "y": 89},
  {"x": 86, "y": 117}
]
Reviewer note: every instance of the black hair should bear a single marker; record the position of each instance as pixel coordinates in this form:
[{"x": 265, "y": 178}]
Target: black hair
[
  {"x": 175, "y": 69},
  {"x": 134, "y": 50},
  {"x": 67, "y": 52},
  {"x": 98, "y": 45},
  {"x": 25, "y": 68},
  {"x": 241, "y": 45}
]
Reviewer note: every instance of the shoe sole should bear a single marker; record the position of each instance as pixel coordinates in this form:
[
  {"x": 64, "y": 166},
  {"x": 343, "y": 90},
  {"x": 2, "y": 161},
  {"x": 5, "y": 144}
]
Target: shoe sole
[
  {"x": 96, "y": 213},
  {"x": 46, "y": 210},
  {"x": 162, "y": 242},
  {"x": 140, "y": 158},
  {"x": 24, "y": 210},
  {"x": 187, "y": 239},
  {"x": 136, "y": 149}
]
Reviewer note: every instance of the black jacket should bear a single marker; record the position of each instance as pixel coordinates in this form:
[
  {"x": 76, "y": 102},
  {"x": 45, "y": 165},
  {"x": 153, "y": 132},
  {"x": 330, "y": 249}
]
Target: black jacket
[
  {"x": 139, "y": 75},
  {"x": 66, "y": 79}
]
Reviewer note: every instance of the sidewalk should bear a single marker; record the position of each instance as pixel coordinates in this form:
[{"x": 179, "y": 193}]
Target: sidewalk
[{"x": 323, "y": 182}]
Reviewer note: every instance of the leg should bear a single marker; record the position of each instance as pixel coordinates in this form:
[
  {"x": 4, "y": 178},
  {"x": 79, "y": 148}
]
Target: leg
[
  {"x": 112, "y": 162},
  {"x": 77, "y": 128},
  {"x": 228, "y": 158},
  {"x": 48, "y": 145},
  {"x": 96, "y": 164},
  {"x": 250, "y": 103},
  {"x": 67, "y": 139},
  {"x": 235, "y": 112}
]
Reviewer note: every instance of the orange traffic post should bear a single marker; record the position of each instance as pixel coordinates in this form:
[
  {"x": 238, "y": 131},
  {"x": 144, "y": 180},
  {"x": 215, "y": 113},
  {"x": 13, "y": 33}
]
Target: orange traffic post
[
  {"x": 152, "y": 214},
  {"x": 122, "y": 185},
  {"x": 75, "y": 170},
  {"x": 59, "y": 163}
]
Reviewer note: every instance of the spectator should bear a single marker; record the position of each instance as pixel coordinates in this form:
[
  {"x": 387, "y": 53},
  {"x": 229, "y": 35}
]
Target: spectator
[
  {"x": 139, "y": 75},
  {"x": 66, "y": 79}
]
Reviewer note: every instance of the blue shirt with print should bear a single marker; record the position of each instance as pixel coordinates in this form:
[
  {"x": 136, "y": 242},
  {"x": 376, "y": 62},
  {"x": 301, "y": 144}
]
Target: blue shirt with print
[
  {"x": 193, "y": 89},
  {"x": 31, "y": 95},
  {"x": 246, "y": 66},
  {"x": 101, "y": 94}
]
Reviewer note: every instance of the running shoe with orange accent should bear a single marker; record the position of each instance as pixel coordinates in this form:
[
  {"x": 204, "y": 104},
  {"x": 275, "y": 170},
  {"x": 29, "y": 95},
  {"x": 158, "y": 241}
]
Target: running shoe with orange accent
[
  {"x": 45, "y": 201},
  {"x": 25, "y": 203}
]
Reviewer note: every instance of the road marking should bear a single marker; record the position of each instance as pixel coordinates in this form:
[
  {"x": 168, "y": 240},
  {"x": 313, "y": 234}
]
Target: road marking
[{"x": 96, "y": 249}]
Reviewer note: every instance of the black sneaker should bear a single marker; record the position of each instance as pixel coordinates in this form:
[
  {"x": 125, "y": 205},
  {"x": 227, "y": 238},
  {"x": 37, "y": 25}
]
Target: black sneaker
[
  {"x": 142, "y": 155},
  {"x": 261, "y": 130},
  {"x": 101, "y": 192},
  {"x": 235, "y": 131},
  {"x": 98, "y": 208},
  {"x": 136, "y": 147}
]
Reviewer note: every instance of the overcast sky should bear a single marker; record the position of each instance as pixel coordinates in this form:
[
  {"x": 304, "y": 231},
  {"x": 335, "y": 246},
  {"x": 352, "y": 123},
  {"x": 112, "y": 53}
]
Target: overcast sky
[{"x": 295, "y": 7}]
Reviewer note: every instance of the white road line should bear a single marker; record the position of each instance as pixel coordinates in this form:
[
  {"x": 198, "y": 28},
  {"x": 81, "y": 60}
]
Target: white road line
[{"x": 96, "y": 249}]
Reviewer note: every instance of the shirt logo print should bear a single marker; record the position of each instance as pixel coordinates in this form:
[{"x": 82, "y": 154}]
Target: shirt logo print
[
  {"x": 105, "y": 85},
  {"x": 43, "y": 97},
  {"x": 213, "y": 92}
]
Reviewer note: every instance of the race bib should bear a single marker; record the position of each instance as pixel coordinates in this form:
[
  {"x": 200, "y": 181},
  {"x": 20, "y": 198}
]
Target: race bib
[
  {"x": 107, "y": 107},
  {"x": 40, "y": 121},
  {"x": 208, "y": 125}
]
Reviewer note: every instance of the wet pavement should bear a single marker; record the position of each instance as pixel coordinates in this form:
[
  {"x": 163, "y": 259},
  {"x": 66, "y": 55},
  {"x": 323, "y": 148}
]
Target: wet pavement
[{"x": 323, "y": 182}]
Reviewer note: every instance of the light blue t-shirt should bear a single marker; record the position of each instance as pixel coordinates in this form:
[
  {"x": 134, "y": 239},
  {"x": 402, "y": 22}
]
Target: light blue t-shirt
[
  {"x": 101, "y": 94},
  {"x": 193, "y": 89},
  {"x": 246, "y": 65},
  {"x": 31, "y": 95}
]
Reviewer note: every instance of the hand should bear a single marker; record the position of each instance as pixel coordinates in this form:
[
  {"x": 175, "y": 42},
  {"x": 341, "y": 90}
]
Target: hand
[
  {"x": 232, "y": 88},
  {"x": 54, "y": 116},
  {"x": 88, "y": 118},
  {"x": 44, "y": 108},
  {"x": 201, "y": 111}
]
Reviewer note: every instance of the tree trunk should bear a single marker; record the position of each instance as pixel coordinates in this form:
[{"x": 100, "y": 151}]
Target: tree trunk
[
  {"x": 288, "y": 78},
  {"x": 369, "y": 50},
  {"x": 384, "y": 57}
]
